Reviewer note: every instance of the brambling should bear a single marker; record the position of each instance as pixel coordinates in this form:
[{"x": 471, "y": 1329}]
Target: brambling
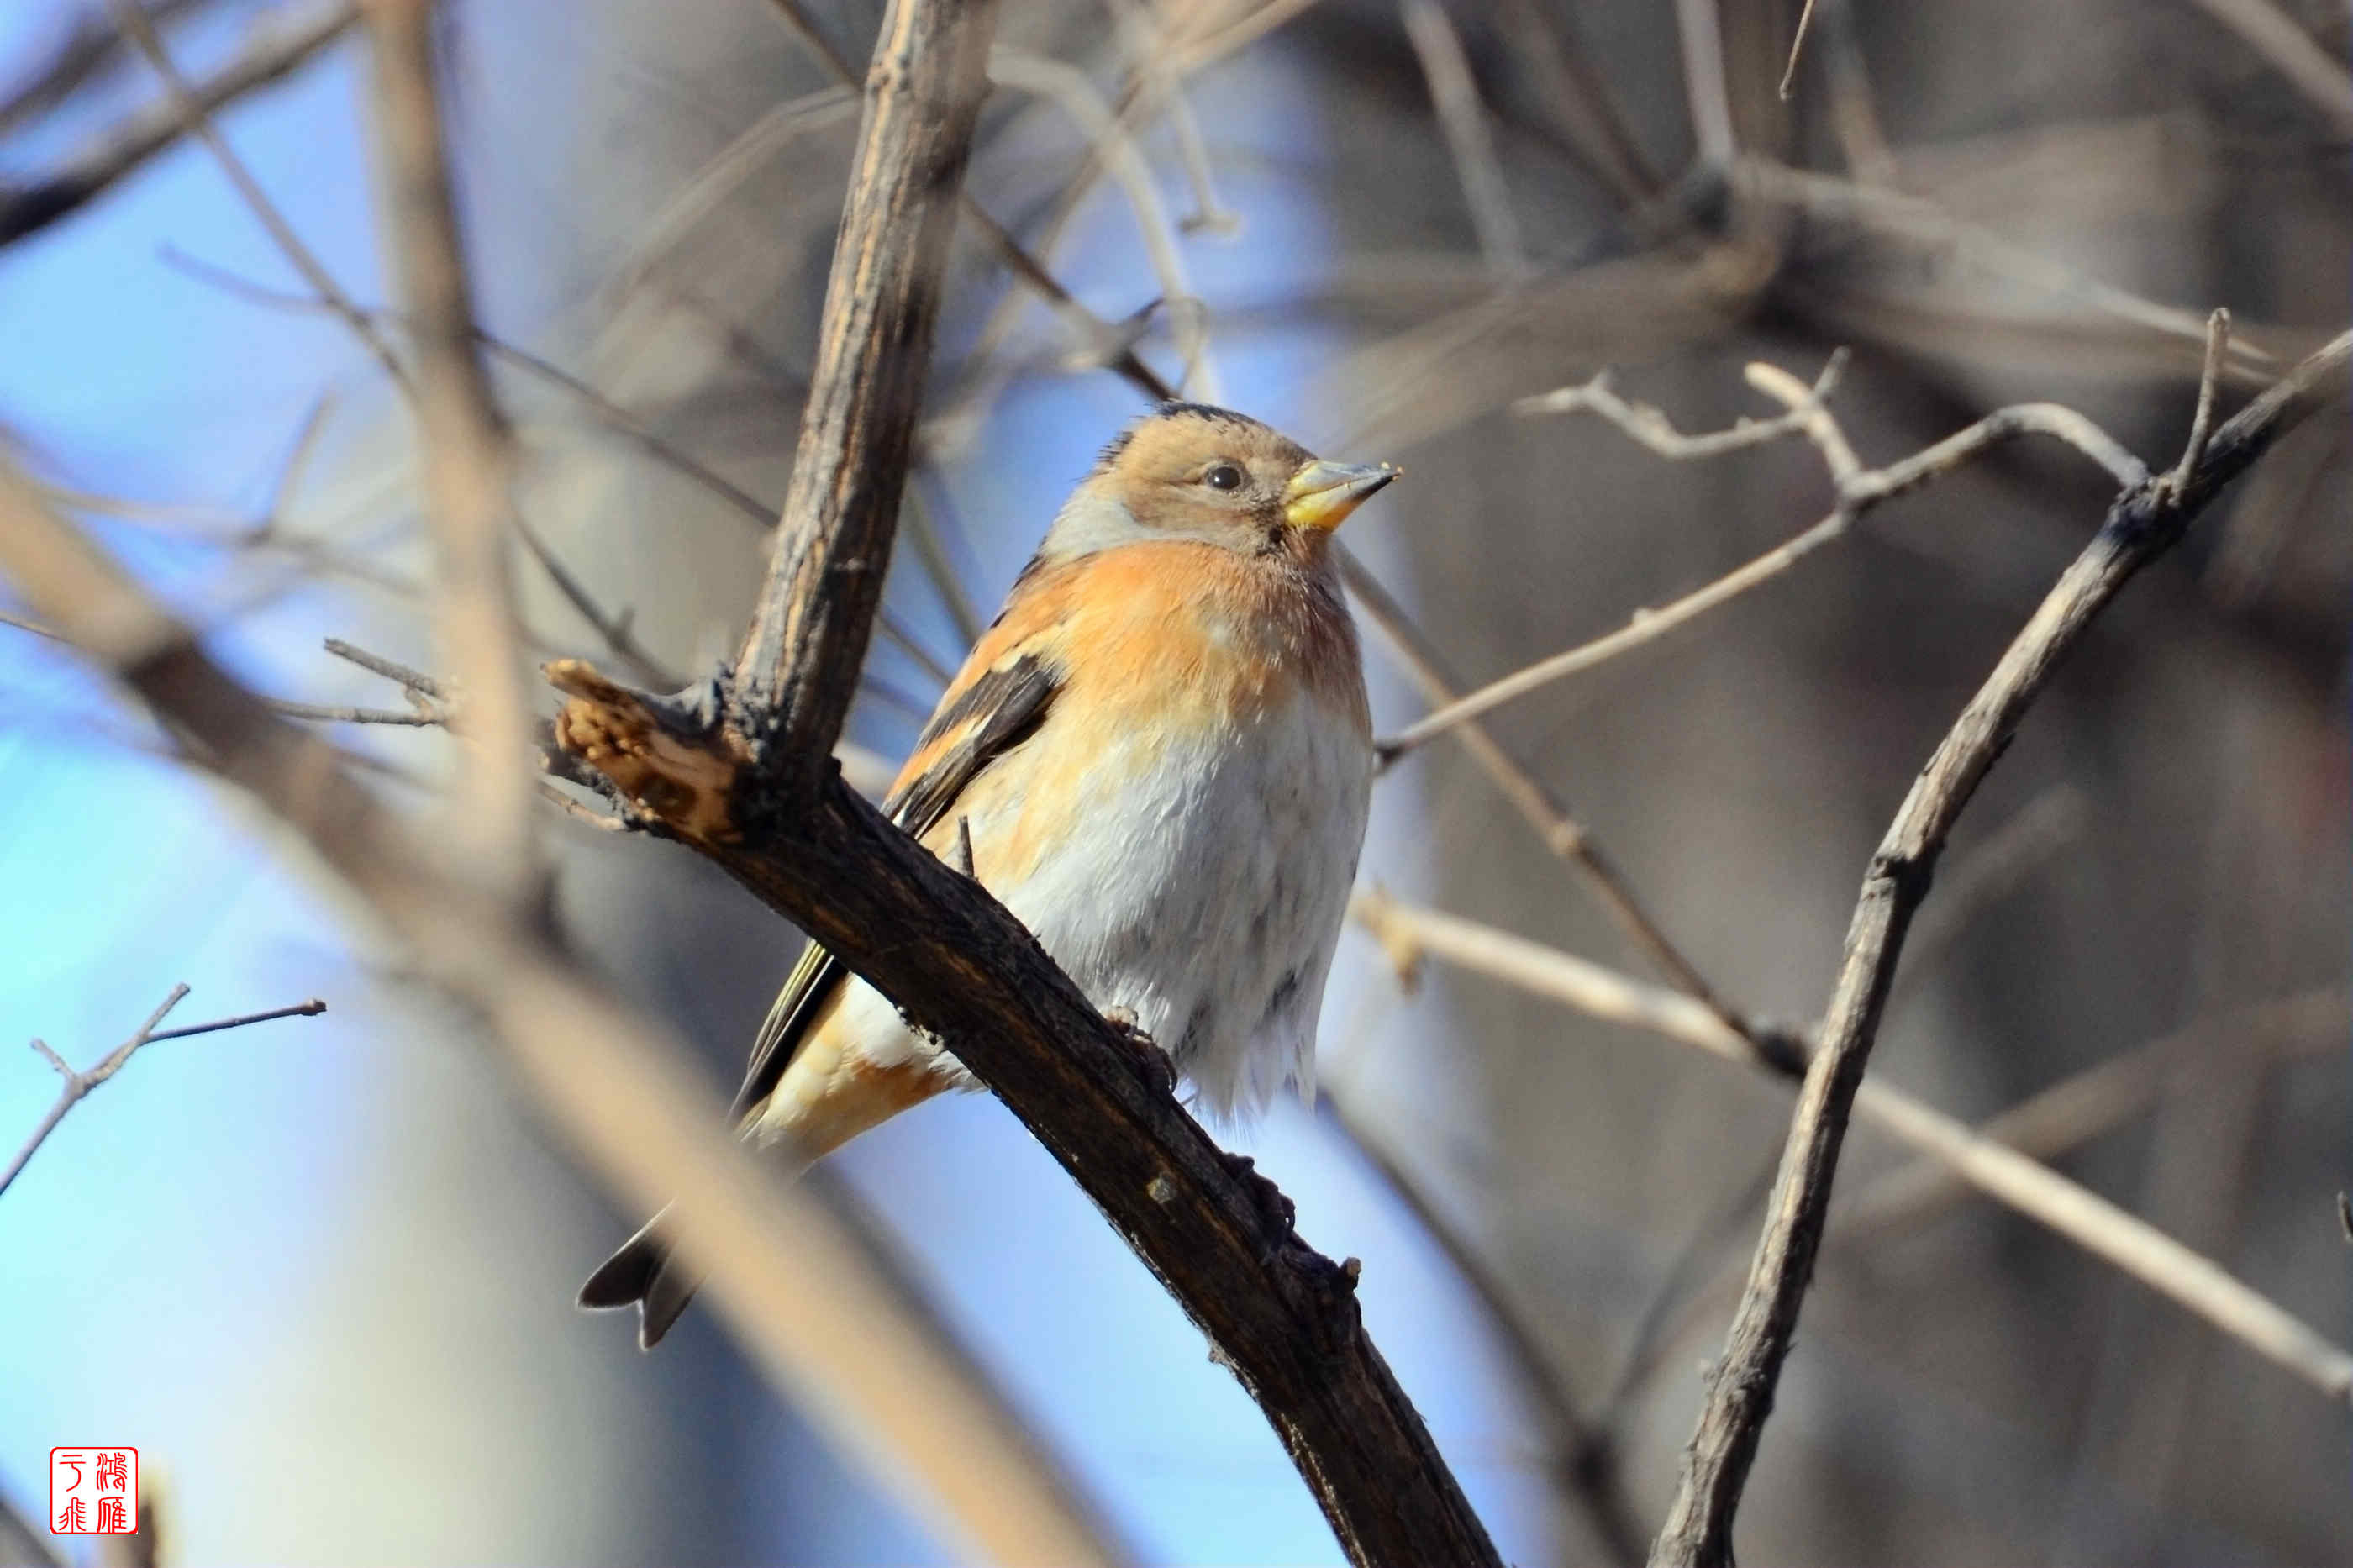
[{"x": 1161, "y": 754}]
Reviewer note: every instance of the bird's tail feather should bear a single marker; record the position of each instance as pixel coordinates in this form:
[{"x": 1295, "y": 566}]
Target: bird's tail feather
[{"x": 645, "y": 1274}]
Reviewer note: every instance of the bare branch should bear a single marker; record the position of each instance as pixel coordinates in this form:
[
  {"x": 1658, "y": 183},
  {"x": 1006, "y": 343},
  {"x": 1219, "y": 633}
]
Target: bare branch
[
  {"x": 1068, "y": 87},
  {"x": 1923, "y": 225},
  {"x": 1700, "y": 31},
  {"x": 1100, "y": 337},
  {"x": 2312, "y": 70},
  {"x": 805, "y": 1297},
  {"x": 413, "y": 680},
  {"x": 1584, "y": 1453},
  {"x": 2144, "y": 522},
  {"x": 2077, "y": 1109},
  {"x": 93, "y": 45},
  {"x": 1582, "y": 103},
  {"x": 799, "y": 661},
  {"x": 467, "y": 460},
  {"x": 1561, "y": 835},
  {"x": 274, "y": 54},
  {"x": 2043, "y": 1127},
  {"x": 2193, "y": 452},
  {"x": 1463, "y": 121},
  {"x": 408, "y": 717},
  {"x": 1999, "y": 1171},
  {"x": 1859, "y": 490},
  {"x": 79, "y": 1084},
  {"x": 196, "y": 121},
  {"x": 738, "y": 775},
  {"x": 1796, "y": 48}
]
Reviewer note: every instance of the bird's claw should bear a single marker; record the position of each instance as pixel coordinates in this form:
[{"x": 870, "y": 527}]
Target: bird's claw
[{"x": 1159, "y": 1072}]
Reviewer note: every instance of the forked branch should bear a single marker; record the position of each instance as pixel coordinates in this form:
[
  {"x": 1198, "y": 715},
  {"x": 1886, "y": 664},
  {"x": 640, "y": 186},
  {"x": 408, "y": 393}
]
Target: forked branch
[{"x": 2145, "y": 521}]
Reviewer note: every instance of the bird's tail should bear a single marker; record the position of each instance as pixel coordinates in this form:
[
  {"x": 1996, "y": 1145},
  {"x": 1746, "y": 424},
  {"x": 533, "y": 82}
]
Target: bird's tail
[{"x": 646, "y": 1273}]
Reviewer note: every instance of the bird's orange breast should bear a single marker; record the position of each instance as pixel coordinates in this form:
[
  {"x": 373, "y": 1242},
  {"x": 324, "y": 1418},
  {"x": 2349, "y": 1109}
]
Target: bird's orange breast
[{"x": 1157, "y": 646}]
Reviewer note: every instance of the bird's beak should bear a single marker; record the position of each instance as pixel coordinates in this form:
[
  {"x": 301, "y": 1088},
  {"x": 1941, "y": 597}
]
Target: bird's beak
[{"x": 1321, "y": 495}]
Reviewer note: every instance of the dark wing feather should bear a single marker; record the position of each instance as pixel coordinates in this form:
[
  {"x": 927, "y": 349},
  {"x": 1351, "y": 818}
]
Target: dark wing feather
[{"x": 1002, "y": 707}]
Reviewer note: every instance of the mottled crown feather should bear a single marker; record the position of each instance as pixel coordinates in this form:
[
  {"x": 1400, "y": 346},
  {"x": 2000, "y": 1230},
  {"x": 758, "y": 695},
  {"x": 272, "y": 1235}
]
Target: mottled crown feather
[{"x": 1175, "y": 408}]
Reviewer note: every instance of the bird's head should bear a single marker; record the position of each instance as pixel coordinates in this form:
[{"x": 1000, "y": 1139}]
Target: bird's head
[{"x": 1190, "y": 471}]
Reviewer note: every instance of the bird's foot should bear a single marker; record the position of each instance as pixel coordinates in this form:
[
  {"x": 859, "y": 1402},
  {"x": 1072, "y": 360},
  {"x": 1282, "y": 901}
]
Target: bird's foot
[{"x": 1159, "y": 1072}]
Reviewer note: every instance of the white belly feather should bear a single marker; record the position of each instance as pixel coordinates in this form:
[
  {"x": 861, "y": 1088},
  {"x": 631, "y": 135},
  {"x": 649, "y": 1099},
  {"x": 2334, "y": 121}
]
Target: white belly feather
[{"x": 1203, "y": 893}]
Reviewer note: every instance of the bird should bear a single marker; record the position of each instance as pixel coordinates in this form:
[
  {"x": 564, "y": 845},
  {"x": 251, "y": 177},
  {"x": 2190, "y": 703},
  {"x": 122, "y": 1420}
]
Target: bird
[{"x": 1159, "y": 757}]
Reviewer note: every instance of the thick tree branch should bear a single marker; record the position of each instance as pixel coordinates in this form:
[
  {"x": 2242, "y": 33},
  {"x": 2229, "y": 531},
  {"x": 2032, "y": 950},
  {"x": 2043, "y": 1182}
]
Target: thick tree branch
[
  {"x": 2144, "y": 522},
  {"x": 798, "y": 667},
  {"x": 738, "y": 772},
  {"x": 805, "y": 1297},
  {"x": 1281, "y": 1315}
]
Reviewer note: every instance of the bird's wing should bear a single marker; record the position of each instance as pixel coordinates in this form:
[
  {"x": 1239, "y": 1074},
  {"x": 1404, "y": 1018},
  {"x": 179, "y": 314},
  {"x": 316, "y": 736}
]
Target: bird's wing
[{"x": 998, "y": 702}]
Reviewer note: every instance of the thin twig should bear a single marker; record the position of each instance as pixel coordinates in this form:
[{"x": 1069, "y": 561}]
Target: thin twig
[
  {"x": 1068, "y": 88},
  {"x": 1584, "y": 1451},
  {"x": 1102, "y": 342},
  {"x": 603, "y": 409},
  {"x": 195, "y": 119},
  {"x": 411, "y": 718},
  {"x": 274, "y": 53},
  {"x": 87, "y": 51},
  {"x": 401, "y": 675},
  {"x": 1859, "y": 491},
  {"x": 613, "y": 630},
  {"x": 2201, "y": 423},
  {"x": 2144, "y": 520},
  {"x": 1923, "y": 225},
  {"x": 79, "y": 1084},
  {"x": 1560, "y": 833},
  {"x": 1796, "y": 48}
]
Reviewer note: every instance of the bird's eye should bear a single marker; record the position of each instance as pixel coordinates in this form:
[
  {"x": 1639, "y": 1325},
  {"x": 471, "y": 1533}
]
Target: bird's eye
[{"x": 1224, "y": 477}]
